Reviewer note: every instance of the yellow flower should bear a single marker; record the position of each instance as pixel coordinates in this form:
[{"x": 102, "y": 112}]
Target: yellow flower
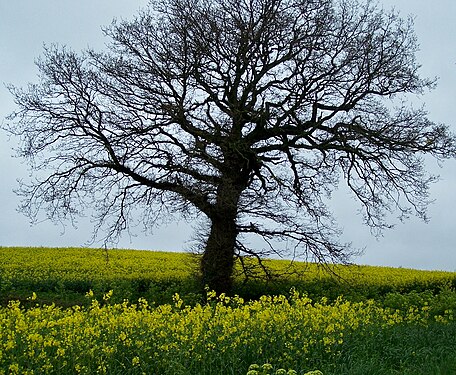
[
  {"x": 108, "y": 295},
  {"x": 135, "y": 361},
  {"x": 33, "y": 297},
  {"x": 14, "y": 368}
]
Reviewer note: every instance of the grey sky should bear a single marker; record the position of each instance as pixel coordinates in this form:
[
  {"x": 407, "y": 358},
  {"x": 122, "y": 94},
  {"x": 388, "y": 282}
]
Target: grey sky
[{"x": 25, "y": 25}]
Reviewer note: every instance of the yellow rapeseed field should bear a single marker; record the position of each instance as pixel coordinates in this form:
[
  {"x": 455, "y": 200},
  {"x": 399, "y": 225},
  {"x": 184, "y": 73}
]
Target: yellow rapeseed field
[
  {"x": 135, "y": 338},
  {"x": 113, "y": 333},
  {"x": 70, "y": 268}
]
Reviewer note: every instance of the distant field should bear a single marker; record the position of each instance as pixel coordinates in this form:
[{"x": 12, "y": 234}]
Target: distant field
[
  {"x": 64, "y": 272},
  {"x": 88, "y": 311}
]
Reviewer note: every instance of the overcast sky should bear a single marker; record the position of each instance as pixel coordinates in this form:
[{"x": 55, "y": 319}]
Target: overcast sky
[{"x": 26, "y": 24}]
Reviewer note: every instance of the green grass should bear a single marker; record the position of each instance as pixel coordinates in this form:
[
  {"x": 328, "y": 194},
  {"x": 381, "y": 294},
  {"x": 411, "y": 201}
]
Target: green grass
[
  {"x": 398, "y": 350},
  {"x": 404, "y": 350}
]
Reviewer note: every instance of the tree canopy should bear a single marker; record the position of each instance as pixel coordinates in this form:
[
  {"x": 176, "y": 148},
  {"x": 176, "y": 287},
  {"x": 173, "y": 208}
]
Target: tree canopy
[{"x": 248, "y": 113}]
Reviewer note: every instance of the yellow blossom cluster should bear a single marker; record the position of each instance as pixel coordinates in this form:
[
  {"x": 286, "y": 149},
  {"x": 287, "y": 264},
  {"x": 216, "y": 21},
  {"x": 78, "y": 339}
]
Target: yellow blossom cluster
[{"x": 137, "y": 338}]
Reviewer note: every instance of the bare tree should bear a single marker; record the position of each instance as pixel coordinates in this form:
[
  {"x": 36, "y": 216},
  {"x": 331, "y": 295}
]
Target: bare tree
[{"x": 247, "y": 111}]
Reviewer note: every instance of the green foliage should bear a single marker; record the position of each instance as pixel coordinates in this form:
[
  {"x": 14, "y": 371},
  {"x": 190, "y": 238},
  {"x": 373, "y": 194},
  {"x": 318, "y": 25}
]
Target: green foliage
[{"x": 401, "y": 349}]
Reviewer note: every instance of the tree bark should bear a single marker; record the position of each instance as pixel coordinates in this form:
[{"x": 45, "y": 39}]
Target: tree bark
[{"x": 218, "y": 258}]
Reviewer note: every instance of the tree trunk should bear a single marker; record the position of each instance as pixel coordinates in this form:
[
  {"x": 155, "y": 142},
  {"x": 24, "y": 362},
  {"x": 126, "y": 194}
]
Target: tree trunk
[{"x": 218, "y": 258}]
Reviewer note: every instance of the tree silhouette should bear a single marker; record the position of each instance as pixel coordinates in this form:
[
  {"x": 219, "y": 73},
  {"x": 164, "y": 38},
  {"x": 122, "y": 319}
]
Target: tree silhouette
[{"x": 247, "y": 111}]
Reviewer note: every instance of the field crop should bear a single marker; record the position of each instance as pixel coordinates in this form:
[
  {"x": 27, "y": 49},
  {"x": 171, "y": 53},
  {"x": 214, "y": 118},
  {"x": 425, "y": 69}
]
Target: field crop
[
  {"x": 66, "y": 274},
  {"x": 223, "y": 336},
  {"x": 82, "y": 311}
]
